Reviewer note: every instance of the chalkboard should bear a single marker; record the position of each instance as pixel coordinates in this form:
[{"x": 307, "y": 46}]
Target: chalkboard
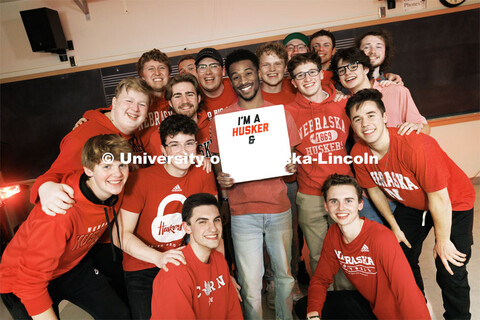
[{"x": 438, "y": 58}]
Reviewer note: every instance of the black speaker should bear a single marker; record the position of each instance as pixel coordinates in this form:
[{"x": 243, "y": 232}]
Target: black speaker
[{"x": 44, "y": 30}]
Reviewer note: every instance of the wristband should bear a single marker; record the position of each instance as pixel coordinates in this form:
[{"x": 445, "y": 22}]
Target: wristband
[{"x": 314, "y": 317}]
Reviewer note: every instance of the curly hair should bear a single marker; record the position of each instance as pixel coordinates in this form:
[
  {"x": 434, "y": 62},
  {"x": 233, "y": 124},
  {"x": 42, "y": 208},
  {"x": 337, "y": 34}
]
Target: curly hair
[{"x": 155, "y": 55}]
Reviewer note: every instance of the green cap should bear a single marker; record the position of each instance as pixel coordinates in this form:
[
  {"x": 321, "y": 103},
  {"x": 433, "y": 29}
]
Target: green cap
[{"x": 296, "y": 35}]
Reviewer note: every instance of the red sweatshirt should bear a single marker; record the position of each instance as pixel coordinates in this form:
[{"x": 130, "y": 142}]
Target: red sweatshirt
[
  {"x": 323, "y": 128},
  {"x": 70, "y": 157},
  {"x": 46, "y": 247},
  {"x": 196, "y": 290},
  {"x": 375, "y": 264}
]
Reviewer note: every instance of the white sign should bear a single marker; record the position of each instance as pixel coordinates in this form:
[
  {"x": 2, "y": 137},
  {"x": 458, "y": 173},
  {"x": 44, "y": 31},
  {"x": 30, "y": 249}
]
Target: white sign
[
  {"x": 412, "y": 5},
  {"x": 254, "y": 144}
]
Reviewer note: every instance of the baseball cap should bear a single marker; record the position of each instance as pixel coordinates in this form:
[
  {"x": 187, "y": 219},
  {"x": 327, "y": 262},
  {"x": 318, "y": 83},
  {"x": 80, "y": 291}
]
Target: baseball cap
[
  {"x": 296, "y": 35},
  {"x": 208, "y": 53}
]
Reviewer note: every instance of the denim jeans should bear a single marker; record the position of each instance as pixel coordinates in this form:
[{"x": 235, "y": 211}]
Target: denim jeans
[
  {"x": 248, "y": 233},
  {"x": 139, "y": 289}
]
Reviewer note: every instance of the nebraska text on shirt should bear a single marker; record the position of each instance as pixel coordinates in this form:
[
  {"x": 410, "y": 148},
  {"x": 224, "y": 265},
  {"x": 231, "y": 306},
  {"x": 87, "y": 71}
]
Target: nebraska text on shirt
[
  {"x": 316, "y": 124},
  {"x": 353, "y": 265}
]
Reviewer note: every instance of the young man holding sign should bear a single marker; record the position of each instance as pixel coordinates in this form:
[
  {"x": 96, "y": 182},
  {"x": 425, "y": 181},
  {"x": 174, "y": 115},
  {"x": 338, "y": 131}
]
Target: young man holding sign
[{"x": 260, "y": 209}]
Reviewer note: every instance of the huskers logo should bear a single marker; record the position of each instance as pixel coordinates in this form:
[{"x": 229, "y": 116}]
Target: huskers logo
[{"x": 168, "y": 228}]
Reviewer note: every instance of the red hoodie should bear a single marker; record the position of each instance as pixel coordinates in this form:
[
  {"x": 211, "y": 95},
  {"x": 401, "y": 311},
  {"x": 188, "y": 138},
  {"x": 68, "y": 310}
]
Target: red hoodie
[
  {"x": 46, "y": 247},
  {"x": 70, "y": 157},
  {"x": 323, "y": 128}
]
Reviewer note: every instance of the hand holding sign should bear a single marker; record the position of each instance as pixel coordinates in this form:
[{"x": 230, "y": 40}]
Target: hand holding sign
[{"x": 253, "y": 144}]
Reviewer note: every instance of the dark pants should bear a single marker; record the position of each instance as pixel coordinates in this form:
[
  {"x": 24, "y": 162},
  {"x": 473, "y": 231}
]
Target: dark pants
[
  {"x": 344, "y": 304},
  {"x": 455, "y": 289},
  {"x": 83, "y": 286},
  {"x": 139, "y": 288},
  {"x": 102, "y": 256}
]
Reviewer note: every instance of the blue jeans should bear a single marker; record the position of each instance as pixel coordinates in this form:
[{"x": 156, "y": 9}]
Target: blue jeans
[
  {"x": 139, "y": 289},
  {"x": 248, "y": 233},
  {"x": 370, "y": 212}
]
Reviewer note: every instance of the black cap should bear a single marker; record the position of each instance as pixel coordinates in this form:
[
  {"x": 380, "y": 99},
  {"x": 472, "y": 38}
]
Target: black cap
[{"x": 209, "y": 53}]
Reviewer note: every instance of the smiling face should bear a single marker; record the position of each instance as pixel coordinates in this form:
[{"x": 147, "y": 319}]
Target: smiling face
[
  {"x": 353, "y": 80},
  {"x": 204, "y": 228},
  {"x": 129, "y": 110},
  {"x": 272, "y": 69},
  {"x": 323, "y": 46},
  {"x": 245, "y": 79},
  {"x": 210, "y": 77},
  {"x": 342, "y": 204},
  {"x": 182, "y": 145},
  {"x": 106, "y": 180},
  {"x": 374, "y": 48},
  {"x": 184, "y": 99},
  {"x": 156, "y": 75},
  {"x": 187, "y": 66},
  {"x": 310, "y": 86},
  {"x": 368, "y": 122},
  {"x": 294, "y": 47}
]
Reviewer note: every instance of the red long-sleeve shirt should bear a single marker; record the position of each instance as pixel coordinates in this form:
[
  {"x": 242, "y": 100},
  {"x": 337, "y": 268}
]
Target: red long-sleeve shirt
[
  {"x": 376, "y": 265},
  {"x": 196, "y": 290}
]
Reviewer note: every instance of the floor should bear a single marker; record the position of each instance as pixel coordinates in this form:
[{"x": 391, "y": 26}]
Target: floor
[{"x": 70, "y": 311}]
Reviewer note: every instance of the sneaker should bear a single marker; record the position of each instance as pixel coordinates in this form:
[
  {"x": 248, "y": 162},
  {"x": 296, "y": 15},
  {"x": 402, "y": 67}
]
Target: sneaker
[
  {"x": 296, "y": 292},
  {"x": 271, "y": 295}
]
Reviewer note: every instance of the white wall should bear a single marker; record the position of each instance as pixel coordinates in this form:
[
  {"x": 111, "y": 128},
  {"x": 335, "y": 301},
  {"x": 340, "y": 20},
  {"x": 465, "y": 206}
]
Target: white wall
[
  {"x": 171, "y": 25},
  {"x": 461, "y": 141}
]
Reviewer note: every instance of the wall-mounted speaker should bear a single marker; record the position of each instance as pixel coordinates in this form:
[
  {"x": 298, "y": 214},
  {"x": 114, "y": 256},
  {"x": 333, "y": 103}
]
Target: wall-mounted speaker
[{"x": 44, "y": 30}]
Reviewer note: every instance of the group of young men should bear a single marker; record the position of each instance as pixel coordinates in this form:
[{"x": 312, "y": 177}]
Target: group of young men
[{"x": 154, "y": 246}]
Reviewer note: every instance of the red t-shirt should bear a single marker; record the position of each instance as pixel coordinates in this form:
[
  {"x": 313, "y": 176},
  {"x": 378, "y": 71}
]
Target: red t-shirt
[
  {"x": 283, "y": 97},
  {"x": 196, "y": 290},
  {"x": 153, "y": 143},
  {"x": 413, "y": 166},
  {"x": 323, "y": 128},
  {"x": 158, "y": 198},
  {"x": 287, "y": 85},
  {"x": 375, "y": 264},
  {"x": 260, "y": 196},
  {"x": 213, "y": 106}
]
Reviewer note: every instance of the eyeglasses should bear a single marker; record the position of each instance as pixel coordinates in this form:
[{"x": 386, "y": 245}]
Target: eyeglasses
[
  {"x": 203, "y": 67},
  {"x": 302, "y": 75},
  {"x": 299, "y": 47},
  {"x": 177, "y": 147},
  {"x": 351, "y": 66}
]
